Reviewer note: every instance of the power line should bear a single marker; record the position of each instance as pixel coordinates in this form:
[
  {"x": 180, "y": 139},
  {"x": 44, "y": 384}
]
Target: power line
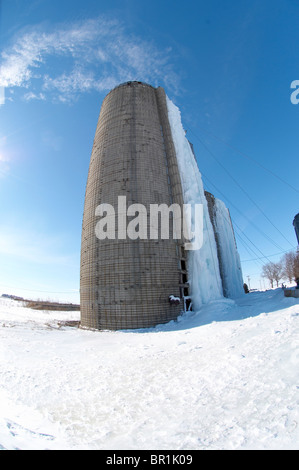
[
  {"x": 44, "y": 291},
  {"x": 242, "y": 189},
  {"x": 274, "y": 254},
  {"x": 243, "y": 215},
  {"x": 241, "y": 232},
  {"x": 264, "y": 256},
  {"x": 249, "y": 250},
  {"x": 248, "y": 157}
]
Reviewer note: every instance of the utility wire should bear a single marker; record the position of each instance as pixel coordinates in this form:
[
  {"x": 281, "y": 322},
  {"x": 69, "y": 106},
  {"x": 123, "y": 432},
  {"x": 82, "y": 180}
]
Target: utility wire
[
  {"x": 243, "y": 215},
  {"x": 241, "y": 239},
  {"x": 242, "y": 189},
  {"x": 249, "y": 250},
  {"x": 44, "y": 291},
  {"x": 248, "y": 157},
  {"x": 241, "y": 232},
  {"x": 264, "y": 256},
  {"x": 274, "y": 254}
]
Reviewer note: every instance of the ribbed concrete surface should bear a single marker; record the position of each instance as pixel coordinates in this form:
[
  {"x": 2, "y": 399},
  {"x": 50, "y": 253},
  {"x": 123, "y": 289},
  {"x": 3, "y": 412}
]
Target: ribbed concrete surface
[{"x": 127, "y": 283}]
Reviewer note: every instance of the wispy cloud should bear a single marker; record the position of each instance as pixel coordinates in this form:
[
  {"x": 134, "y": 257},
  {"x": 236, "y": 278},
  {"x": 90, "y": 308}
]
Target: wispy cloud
[
  {"x": 94, "y": 54},
  {"x": 34, "y": 96}
]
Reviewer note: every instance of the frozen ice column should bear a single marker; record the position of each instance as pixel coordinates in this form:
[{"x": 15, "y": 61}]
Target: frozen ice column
[
  {"x": 203, "y": 266},
  {"x": 229, "y": 259}
]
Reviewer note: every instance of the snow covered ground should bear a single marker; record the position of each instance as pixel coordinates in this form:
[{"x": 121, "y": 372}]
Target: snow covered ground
[{"x": 226, "y": 377}]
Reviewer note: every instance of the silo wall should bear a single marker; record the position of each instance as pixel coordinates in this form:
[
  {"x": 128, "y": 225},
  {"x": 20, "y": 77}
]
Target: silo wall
[{"x": 126, "y": 283}]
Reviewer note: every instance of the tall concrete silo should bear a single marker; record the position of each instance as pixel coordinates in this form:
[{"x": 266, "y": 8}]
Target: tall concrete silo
[{"x": 131, "y": 283}]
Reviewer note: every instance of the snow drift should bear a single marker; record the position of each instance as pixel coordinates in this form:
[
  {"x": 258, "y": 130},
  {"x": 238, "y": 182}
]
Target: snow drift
[{"x": 223, "y": 378}]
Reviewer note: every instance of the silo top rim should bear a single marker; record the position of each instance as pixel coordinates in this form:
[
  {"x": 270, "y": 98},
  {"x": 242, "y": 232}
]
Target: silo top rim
[
  {"x": 134, "y": 83},
  {"x": 131, "y": 83}
]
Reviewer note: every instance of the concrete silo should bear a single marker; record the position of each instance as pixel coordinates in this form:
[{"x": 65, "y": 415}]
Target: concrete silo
[{"x": 125, "y": 282}]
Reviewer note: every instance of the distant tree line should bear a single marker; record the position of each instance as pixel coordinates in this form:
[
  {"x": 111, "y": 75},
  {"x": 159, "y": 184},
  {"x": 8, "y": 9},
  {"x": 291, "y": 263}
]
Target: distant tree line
[{"x": 286, "y": 269}]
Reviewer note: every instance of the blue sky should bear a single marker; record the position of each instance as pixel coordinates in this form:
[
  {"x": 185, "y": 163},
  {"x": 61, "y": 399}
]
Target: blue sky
[{"x": 227, "y": 65}]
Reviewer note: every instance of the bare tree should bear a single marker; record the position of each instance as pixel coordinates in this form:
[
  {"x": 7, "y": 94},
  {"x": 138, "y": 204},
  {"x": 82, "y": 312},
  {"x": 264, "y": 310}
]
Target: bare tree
[
  {"x": 296, "y": 266},
  {"x": 272, "y": 272},
  {"x": 267, "y": 273},
  {"x": 277, "y": 272},
  {"x": 290, "y": 262}
]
